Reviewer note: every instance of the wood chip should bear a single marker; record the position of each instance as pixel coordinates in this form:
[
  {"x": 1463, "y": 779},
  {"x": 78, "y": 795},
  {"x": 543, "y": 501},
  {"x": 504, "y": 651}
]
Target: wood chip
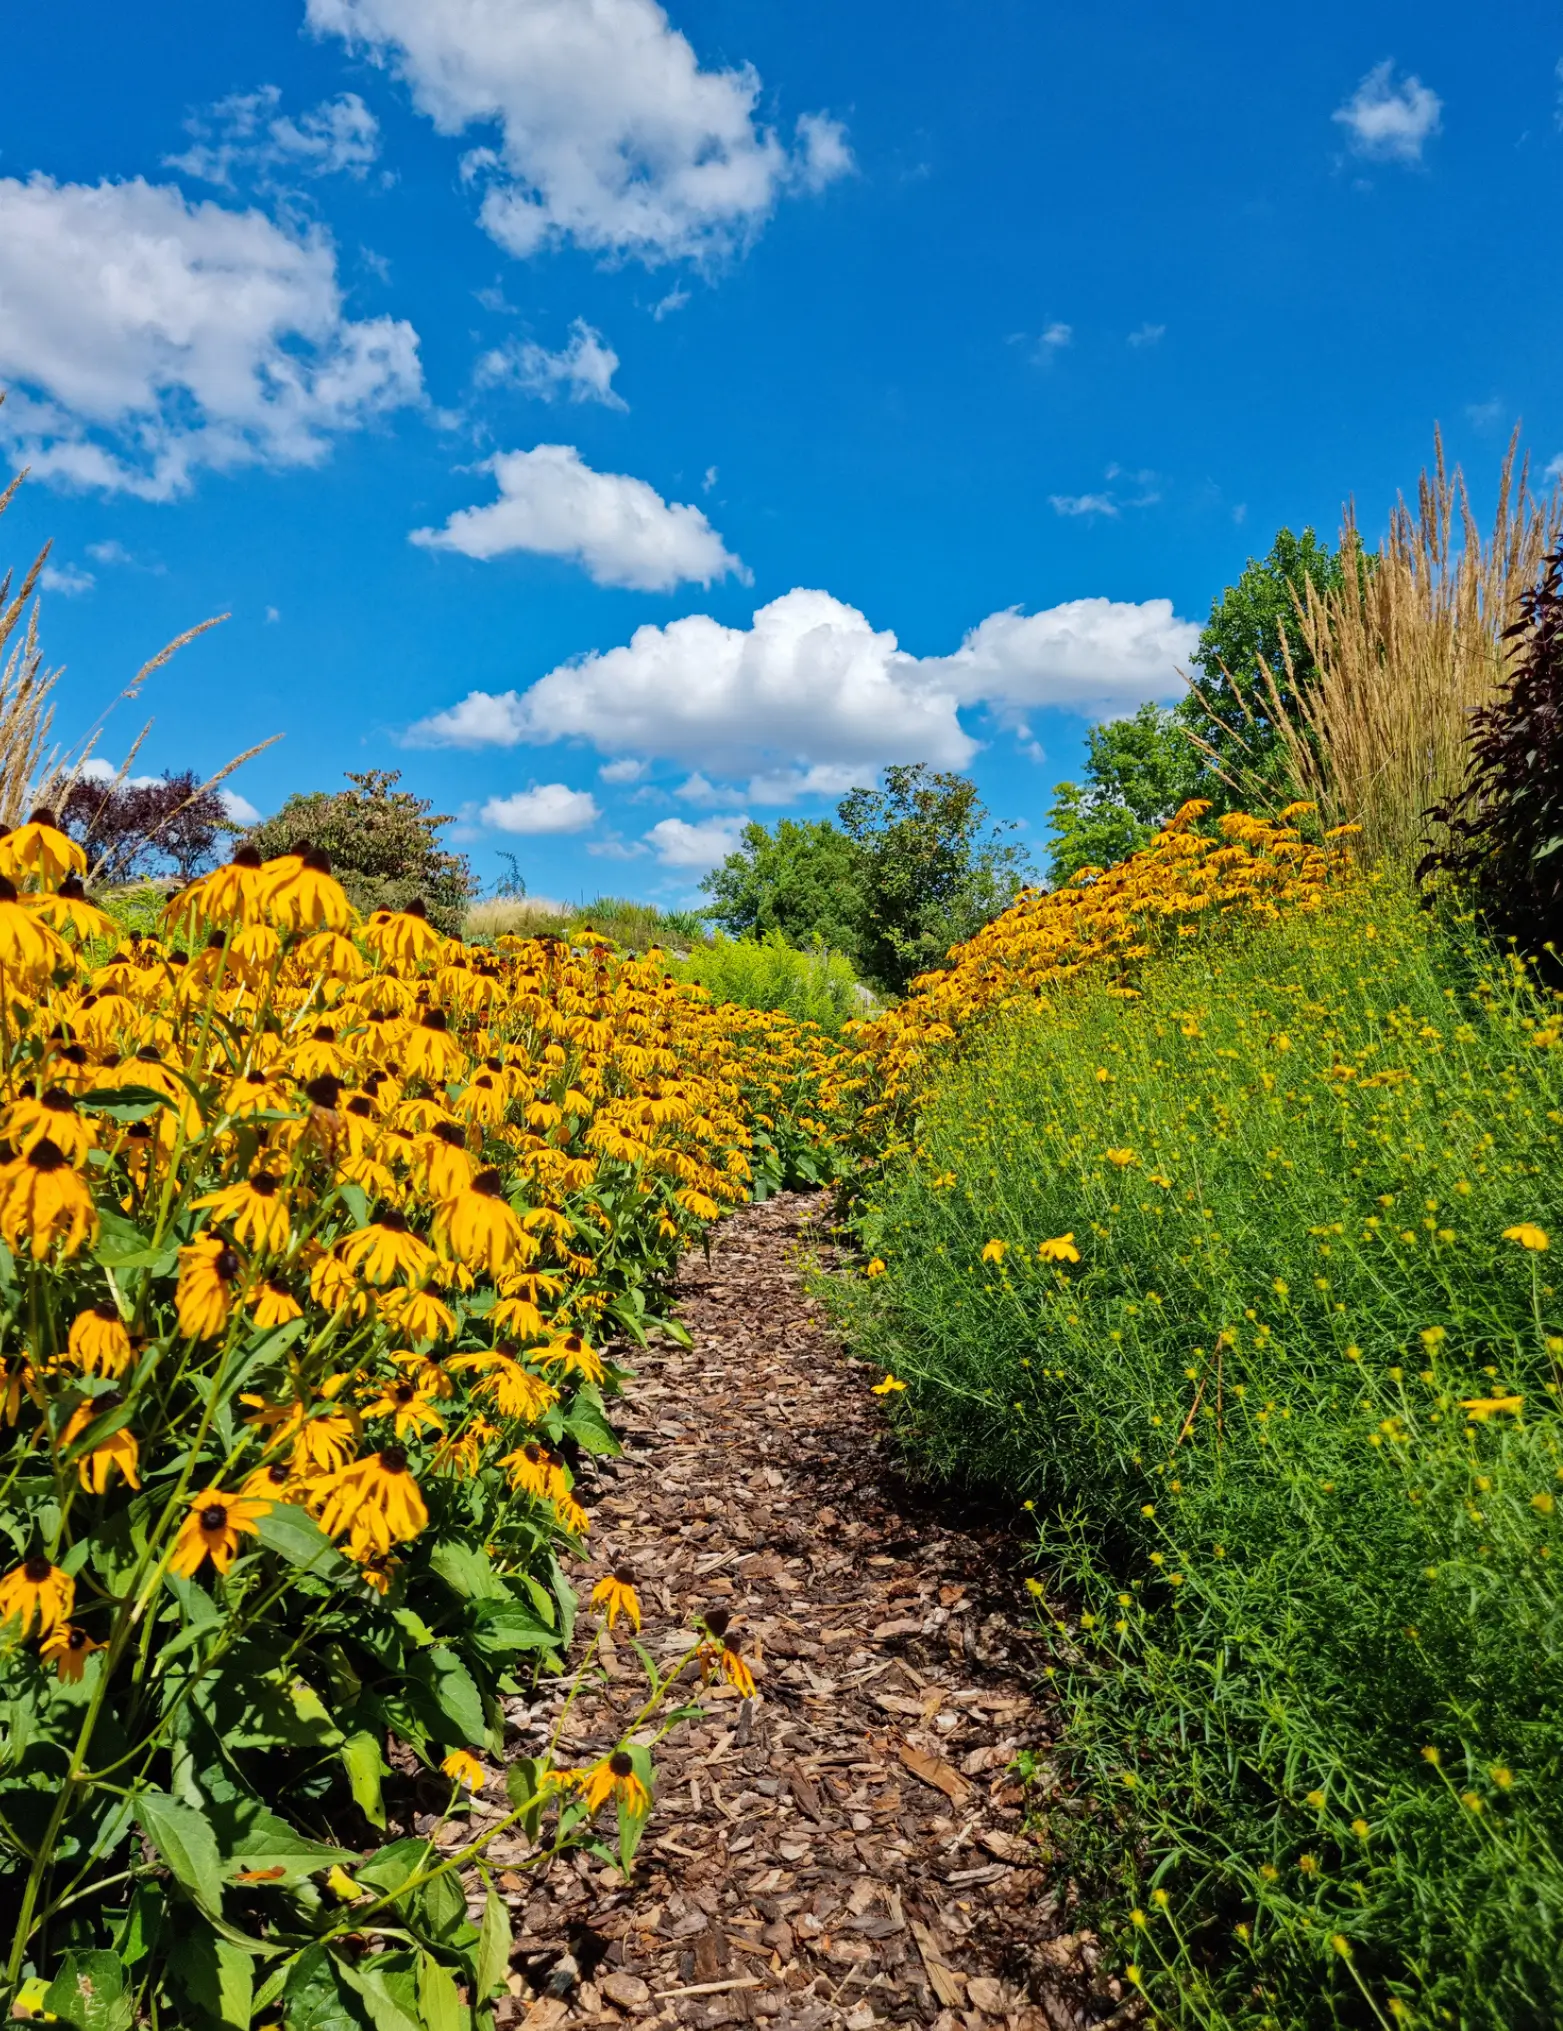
[{"x": 935, "y": 1771}]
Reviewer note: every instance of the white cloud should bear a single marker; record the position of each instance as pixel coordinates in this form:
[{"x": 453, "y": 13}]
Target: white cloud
[
  {"x": 547, "y": 807},
  {"x": 629, "y": 770},
  {"x": 1083, "y": 504},
  {"x": 247, "y": 131},
  {"x": 619, "y": 529},
  {"x": 583, "y": 369},
  {"x": 273, "y": 614},
  {"x": 239, "y": 809},
  {"x": 810, "y": 698},
  {"x": 1554, "y": 471},
  {"x": 1054, "y": 338},
  {"x": 709, "y": 481},
  {"x": 608, "y": 130},
  {"x": 674, "y": 300},
  {"x": 699, "y": 847},
  {"x": 145, "y": 337},
  {"x": 1148, "y": 335},
  {"x": 66, "y": 579},
  {"x": 1485, "y": 415},
  {"x": 1390, "y": 122},
  {"x": 110, "y": 551},
  {"x": 96, "y": 770}
]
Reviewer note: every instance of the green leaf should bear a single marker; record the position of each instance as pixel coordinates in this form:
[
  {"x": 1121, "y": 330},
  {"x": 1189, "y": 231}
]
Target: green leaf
[
  {"x": 217, "y": 1976},
  {"x": 365, "y": 1766},
  {"x": 494, "y": 1942},
  {"x": 468, "y": 1571},
  {"x": 633, "y": 1824},
  {"x": 123, "y": 1103},
  {"x": 293, "y": 1534},
  {"x": 89, "y": 1993},
  {"x": 501, "y": 1627},
  {"x": 263, "y": 1843},
  {"x": 312, "y": 1999},
  {"x": 587, "y": 1423},
  {"x": 388, "y": 1868},
  {"x": 438, "y": 2003},
  {"x": 441, "y": 1908},
  {"x": 381, "y": 2006},
  {"x": 186, "y": 1842},
  {"x": 449, "y": 1683}
]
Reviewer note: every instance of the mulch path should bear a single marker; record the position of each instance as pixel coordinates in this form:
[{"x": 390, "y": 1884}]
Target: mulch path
[{"x": 849, "y": 1848}]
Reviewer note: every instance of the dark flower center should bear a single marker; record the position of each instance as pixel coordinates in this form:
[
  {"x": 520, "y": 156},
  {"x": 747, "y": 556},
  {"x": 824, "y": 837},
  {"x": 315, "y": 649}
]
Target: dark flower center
[
  {"x": 37, "y": 1569},
  {"x": 495, "y": 1064},
  {"x": 717, "y": 1620},
  {"x": 214, "y": 1516},
  {"x": 46, "y": 1155},
  {"x": 106, "y": 1313},
  {"x": 277, "y": 1474},
  {"x": 393, "y": 1459},
  {"x": 72, "y": 889},
  {"x": 416, "y": 908},
  {"x": 361, "y": 1105},
  {"x": 264, "y": 1184},
  {"x": 247, "y": 856},
  {"x": 489, "y": 1184},
  {"x": 448, "y": 1132},
  {"x": 623, "y": 1576},
  {"x": 7, "y": 890},
  {"x": 403, "y": 1393},
  {"x": 323, "y": 1033},
  {"x": 325, "y": 1091},
  {"x": 225, "y": 1264},
  {"x": 621, "y": 1764},
  {"x": 58, "y": 1101},
  {"x": 43, "y": 816},
  {"x": 77, "y": 1640},
  {"x": 393, "y": 1222},
  {"x": 532, "y": 1453},
  {"x": 434, "y": 1019},
  {"x": 318, "y": 861}
]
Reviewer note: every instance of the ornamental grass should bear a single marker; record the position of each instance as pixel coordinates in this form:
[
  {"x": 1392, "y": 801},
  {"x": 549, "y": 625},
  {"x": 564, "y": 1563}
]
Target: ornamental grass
[
  {"x": 1244, "y": 1283},
  {"x": 316, "y": 1237}
]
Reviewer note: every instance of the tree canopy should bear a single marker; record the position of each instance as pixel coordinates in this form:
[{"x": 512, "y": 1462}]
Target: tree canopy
[{"x": 383, "y": 842}]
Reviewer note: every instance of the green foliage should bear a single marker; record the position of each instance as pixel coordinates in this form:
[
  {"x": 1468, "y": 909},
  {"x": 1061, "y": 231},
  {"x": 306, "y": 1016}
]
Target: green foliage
[
  {"x": 1292, "y": 1427},
  {"x": 818, "y": 986},
  {"x": 383, "y": 842},
  {"x": 1232, "y": 709},
  {"x": 800, "y": 880},
  {"x": 1137, "y": 773}
]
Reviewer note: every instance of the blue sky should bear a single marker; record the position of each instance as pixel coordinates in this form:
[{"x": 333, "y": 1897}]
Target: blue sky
[{"x": 496, "y": 363}]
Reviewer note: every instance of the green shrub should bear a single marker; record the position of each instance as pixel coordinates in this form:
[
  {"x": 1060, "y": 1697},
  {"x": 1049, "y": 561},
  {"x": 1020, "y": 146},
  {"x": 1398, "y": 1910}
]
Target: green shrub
[
  {"x": 1292, "y": 1428},
  {"x": 818, "y": 986},
  {"x": 383, "y": 842}
]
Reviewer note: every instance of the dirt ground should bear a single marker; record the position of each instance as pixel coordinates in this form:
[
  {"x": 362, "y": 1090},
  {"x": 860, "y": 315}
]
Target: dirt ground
[{"x": 847, "y": 1849}]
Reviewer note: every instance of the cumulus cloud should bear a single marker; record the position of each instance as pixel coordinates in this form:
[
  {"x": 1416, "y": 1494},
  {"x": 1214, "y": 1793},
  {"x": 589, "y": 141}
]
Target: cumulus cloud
[
  {"x": 582, "y": 369},
  {"x": 618, "y": 529},
  {"x": 68, "y": 580},
  {"x": 1390, "y": 122},
  {"x": 698, "y": 847},
  {"x": 547, "y": 807},
  {"x": 239, "y": 809},
  {"x": 810, "y": 698},
  {"x": 607, "y": 129},
  {"x": 144, "y": 337},
  {"x": 629, "y": 770},
  {"x": 248, "y": 132}
]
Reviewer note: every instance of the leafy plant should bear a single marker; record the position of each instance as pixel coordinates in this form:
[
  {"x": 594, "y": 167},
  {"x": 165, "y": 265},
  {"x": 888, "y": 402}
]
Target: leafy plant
[
  {"x": 383, "y": 844},
  {"x": 800, "y": 880},
  {"x": 768, "y": 973},
  {"x": 1138, "y": 772}
]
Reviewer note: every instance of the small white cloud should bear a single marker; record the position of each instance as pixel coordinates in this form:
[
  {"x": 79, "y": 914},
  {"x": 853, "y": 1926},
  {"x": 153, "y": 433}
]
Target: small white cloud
[
  {"x": 239, "y": 809},
  {"x": 629, "y": 770},
  {"x": 699, "y": 847},
  {"x": 1054, "y": 338},
  {"x": 582, "y": 370},
  {"x": 110, "y": 551},
  {"x": 618, "y": 529},
  {"x": 1485, "y": 415},
  {"x": 1148, "y": 335},
  {"x": 1240, "y": 513},
  {"x": 1083, "y": 504},
  {"x": 1390, "y": 122},
  {"x": 665, "y": 307},
  {"x": 696, "y": 789},
  {"x": 272, "y": 615},
  {"x": 823, "y": 154},
  {"x": 604, "y": 127},
  {"x": 96, "y": 770},
  {"x": 248, "y": 132},
  {"x": 709, "y": 481},
  {"x": 548, "y": 807},
  {"x": 69, "y": 580}
]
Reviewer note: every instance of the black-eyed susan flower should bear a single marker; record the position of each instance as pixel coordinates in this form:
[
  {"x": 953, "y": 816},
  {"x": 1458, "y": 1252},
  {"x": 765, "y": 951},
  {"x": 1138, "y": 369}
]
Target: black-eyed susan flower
[
  {"x": 613, "y": 1778},
  {"x": 430, "y": 1052},
  {"x": 53, "y": 1114},
  {"x": 375, "y": 1501},
  {"x": 256, "y": 1208},
  {"x": 99, "y": 1342},
  {"x": 270, "y": 1483},
  {"x": 573, "y": 1354},
  {"x": 477, "y": 1227},
  {"x": 386, "y": 1249},
  {"x": 209, "y": 1269},
  {"x": 273, "y": 1304},
  {"x": 68, "y": 1649},
  {"x": 509, "y": 1387},
  {"x": 37, "y": 1591},
  {"x": 43, "y": 1200},
  {"x": 463, "y": 1768},
  {"x": 334, "y": 1287},
  {"x": 40, "y": 851},
  {"x": 417, "y": 1315},
  {"x": 444, "y": 1166},
  {"x": 615, "y": 1594},
  {"x": 68, "y": 909},
  {"x": 300, "y": 893},
  {"x": 226, "y": 896},
  {"x": 119, "y": 1453},
  {"x": 403, "y": 937},
  {"x": 211, "y": 1530},
  {"x": 408, "y": 1404}
]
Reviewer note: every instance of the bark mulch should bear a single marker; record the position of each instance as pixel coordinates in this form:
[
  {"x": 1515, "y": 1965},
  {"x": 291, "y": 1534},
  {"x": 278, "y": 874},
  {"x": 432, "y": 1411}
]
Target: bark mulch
[{"x": 849, "y": 1848}]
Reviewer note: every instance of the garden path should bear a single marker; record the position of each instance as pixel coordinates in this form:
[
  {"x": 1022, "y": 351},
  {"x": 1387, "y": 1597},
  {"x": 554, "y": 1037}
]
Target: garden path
[{"x": 848, "y": 1850}]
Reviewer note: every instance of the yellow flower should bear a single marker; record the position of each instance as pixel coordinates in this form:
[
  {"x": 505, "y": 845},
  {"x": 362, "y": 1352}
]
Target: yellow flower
[
  {"x": 477, "y": 1227},
  {"x": 420, "y": 1315},
  {"x": 386, "y": 1249},
  {"x": 463, "y": 1768},
  {"x": 407, "y": 1402},
  {"x": 1528, "y": 1235},
  {"x": 889, "y": 1386},
  {"x": 1120, "y": 1158},
  {"x": 53, "y": 1114},
  {"x": 37, "y": 1590},
  {"x": 98, "y": 1342},
  {"x": 211, "y": 1530},
  {"x": 613, "y": 1777},
  {"x": 41, "y": 1197},
  {"x": 257, "y": 1210},
  {"x": 994, "y": 1251},
  {"x": 68, "y": 1649},
  {"x": 41, "y": 849},
  {"x": 273, "y": 1304},
  {"x": 119, "y": 1452},
  {"x": 876, "y": 1267},
  {"x": 573, "y": 1354},
  {"x": 1060, "y": 1249},
  {"x": 299, "y": 891},
  {"x": 208, "y": 1270},
  {"x": 375, "y": 1500},
  {"x": 1479, "y": 1408},
  {"x": 615, "y": 1594},
  {"x": 403, "y": 937}
]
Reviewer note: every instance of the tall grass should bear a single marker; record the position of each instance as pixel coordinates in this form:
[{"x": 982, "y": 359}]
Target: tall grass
[
  {"x": 818, "y": 986},
  {"x": 1287, "y": 1402},
  {"x": 25, "y": 711},
  {"x": 1406, "y": 648},
  {"x": 635, "y": 926}
]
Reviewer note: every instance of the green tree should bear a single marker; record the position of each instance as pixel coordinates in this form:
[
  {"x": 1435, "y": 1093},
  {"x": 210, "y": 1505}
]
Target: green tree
[
  {"x": 1231, "y": 707},
  {"x": 800, "y": 880},
  {"x": 383, "y": 842},
  {"x": 1137, "y": 772},
  {"x": 930, "y": 873}
]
